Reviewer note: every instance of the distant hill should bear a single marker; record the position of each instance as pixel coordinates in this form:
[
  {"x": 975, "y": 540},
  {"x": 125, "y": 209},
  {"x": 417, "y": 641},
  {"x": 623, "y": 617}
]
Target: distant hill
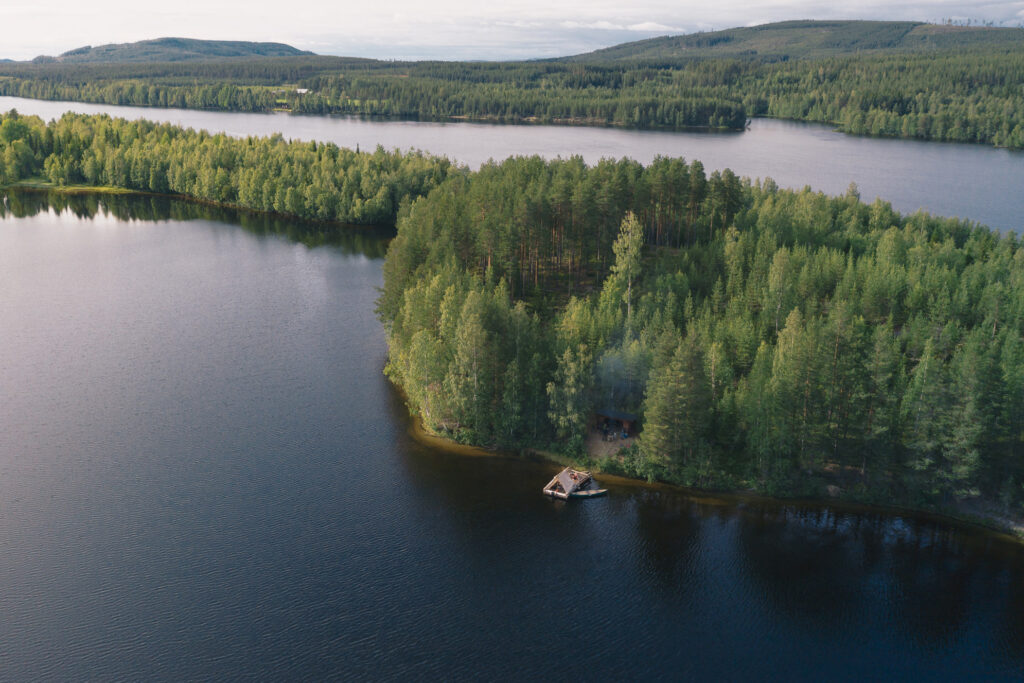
[
  {"x": 796, "y": 39},
  {"x": 172, "y": 50}
]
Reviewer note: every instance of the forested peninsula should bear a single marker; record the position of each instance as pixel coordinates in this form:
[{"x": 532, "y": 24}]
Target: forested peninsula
[
  {"x": 895, "y": 79},
  {"x": 769, "y": 340},
  {"x": 306, "y": 179}
]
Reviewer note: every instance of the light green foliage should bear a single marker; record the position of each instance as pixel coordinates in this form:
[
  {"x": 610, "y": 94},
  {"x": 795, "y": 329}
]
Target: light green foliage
[
  {"x": 626, "y": 269},
  {"x": 468, "y": 380},
  {"x": 311, "y": 180},
  {"x": 569, "y": 395}
]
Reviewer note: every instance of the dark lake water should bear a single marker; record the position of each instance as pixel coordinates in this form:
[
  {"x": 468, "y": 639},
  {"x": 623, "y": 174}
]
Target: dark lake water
[
  {"x": 204, "y": 475},
  {"x": 970, "y": 181}
]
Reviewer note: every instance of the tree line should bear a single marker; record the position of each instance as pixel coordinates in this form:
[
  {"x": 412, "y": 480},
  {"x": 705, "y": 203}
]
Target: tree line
[
  {"x": 769, "y": 339},
  {"x": 970, "y": 95},
  {"x": 421, "y": 91},
  {"x": 309, "y": 180}
]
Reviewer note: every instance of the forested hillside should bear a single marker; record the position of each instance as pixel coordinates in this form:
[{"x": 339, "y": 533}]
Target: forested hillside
[
  {"x": 802, "y": 39},
  {"x": 173, "y": 50},
  {"x": 966, "y": 91},
  {"x": 769, "y": 339}
]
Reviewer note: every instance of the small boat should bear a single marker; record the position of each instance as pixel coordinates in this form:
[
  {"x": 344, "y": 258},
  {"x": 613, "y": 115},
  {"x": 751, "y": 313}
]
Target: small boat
[
  {"x": 570, "y": 483},
  {"x": 589, "y": 493}
]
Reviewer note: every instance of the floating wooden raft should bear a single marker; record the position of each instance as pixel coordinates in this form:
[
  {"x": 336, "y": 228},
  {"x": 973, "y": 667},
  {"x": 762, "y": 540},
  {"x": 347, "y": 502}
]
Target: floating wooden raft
[{"x": 570, "y": 483}]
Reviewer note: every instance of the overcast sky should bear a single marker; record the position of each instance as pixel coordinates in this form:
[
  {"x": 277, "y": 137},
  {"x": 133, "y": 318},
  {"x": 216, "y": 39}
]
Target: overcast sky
[{"x": 449, "y": 29}]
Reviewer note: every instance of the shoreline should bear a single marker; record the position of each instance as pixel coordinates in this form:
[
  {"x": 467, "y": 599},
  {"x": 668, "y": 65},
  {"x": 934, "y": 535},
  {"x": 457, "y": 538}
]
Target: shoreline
[
  {"x": 534, "y": 120},
  {"x": 37, "y": 185},
  {"x": 527, "y": 120},
  {"x": 993, "y": 527}
]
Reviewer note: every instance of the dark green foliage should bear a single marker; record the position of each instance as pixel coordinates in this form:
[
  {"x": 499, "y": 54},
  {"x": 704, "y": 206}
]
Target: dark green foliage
[
  {"x": 959, "y": 97},
  {"x": 772, "y": 339},
  {"x": 895, "y": 79},
  {"x": 677, "y": 411},
  {"x": 311, "y": 180},
  {"x": 516, "y": 92},
  {"x": 803, "y": 39},
  {"x": 174, "y": 50}
]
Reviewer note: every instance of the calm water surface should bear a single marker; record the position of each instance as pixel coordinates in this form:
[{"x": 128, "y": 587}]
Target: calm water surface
[
  {"x": 204, "y": 474},
  {"x": 970, "y": 181}
]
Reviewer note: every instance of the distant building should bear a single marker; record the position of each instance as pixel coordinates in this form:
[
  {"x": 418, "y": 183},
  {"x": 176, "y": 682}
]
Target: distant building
[{"x": 608, "y": 417}]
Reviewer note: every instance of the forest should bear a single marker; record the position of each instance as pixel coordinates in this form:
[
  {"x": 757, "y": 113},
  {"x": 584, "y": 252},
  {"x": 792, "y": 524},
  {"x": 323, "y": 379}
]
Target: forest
[
  {"x": 769, "y": 340},
  {"x": 973, "y": 94},
  {"x": 305, "y": 179}
]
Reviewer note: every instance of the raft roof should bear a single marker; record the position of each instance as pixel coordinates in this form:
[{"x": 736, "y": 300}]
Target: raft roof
[{"x": 568, "y": 485}]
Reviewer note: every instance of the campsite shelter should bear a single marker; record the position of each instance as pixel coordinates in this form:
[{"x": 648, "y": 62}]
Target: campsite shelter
[{"x": 628, "y": 420}]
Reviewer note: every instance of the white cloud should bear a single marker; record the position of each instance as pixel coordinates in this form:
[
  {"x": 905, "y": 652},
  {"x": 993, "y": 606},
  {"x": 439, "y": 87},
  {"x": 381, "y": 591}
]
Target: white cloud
[
  {"x": 595, "y": 25},
  {"x": 655, "y": 26},
  {"x": 458, "y": 29}
]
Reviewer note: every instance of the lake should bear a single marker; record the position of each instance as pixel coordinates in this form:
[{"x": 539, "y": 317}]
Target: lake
[
  {"x": 205, "y": 475},
  {"x": 970, "y": 181}
]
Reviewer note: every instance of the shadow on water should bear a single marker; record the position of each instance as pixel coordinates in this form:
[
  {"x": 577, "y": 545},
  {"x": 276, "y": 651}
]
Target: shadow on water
[
  {"x": 669, "y": 530},
  {"x": 369, "y": 241},
  {"x": 820, "y": 566}
]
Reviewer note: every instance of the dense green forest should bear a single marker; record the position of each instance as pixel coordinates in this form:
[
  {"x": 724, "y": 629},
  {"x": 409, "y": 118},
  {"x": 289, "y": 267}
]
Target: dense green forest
[
  {"x": 769, "y": 339},
  {"x": 523, "y": 92},
  {"x": 878, "y": 78},
  {"x": 965, "y": 96},
  {"x": 310, "y": 180}
]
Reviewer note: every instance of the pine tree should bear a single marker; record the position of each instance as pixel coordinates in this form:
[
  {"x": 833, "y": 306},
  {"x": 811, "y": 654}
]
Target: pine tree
[
  {"x": 469, "y": 379},
  {"x": 676, "y": 410},
  {"x": 880, "y": 401},
  {"x": 923, "y": 412},
  {"x": 627, "y": 249},
  {"x": 569, "y": 395}
]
